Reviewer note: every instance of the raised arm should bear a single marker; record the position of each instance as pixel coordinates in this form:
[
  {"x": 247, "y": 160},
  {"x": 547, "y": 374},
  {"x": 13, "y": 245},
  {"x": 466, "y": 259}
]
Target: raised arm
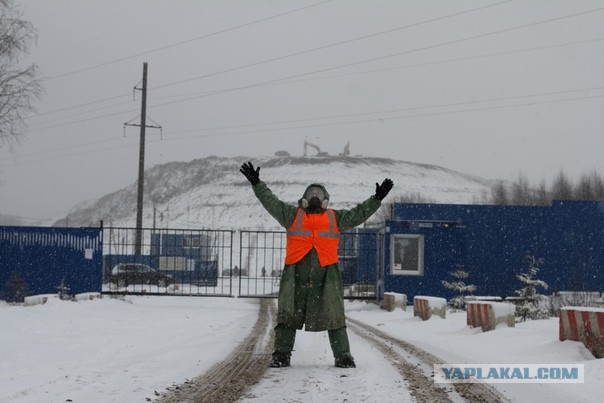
[
  {"x": 282, "y": 212},
  {"x": 348, "y": 219}
]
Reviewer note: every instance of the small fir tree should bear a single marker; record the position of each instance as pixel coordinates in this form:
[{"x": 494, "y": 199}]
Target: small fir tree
[
  {"x": 528, "y": 306},
  {"x": 16, "y": 288},
  {"x": 63, "y": 290},
  {"x": 459, "y": 287}
]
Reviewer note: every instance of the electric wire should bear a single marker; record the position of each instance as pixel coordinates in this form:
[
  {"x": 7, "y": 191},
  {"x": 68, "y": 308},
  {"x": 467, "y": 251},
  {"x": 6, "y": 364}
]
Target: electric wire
[
  {"x": 306, "y": 51},
  {"x": 341, "y": 66},
  {"x": 215, "y": 33},
  {"x": 286, "y": 82},
  {"x": 368, "y": 60},
  {"x": 334, "y": 44},
  {"x": 374, "y": 59},
  {"x": 380, "y": 119}
]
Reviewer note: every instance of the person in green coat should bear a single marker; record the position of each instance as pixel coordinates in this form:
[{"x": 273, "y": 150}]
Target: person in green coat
[{"x": 310, "y": 292}]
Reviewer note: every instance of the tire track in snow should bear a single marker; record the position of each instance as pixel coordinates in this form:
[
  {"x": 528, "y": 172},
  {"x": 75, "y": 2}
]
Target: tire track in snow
[
  {"x": 228, "y": 380},
  {"x": 418, "y": 363}
]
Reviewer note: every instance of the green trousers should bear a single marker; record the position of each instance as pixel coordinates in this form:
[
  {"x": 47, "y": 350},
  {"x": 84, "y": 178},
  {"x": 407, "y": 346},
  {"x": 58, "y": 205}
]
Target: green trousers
[{"x": 285, "y": 339}]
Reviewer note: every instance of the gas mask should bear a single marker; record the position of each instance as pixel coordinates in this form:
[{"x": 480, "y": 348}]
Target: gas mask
[{"x": 314, "y": 200}]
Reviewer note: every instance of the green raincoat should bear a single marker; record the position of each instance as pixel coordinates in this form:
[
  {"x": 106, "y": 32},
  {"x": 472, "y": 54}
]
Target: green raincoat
[{"x": 309, "y": 294}]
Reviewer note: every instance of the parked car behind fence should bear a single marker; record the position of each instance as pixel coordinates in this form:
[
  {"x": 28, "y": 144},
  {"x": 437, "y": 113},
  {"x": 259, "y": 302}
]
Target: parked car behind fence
[{"x": 124, "y": 274}]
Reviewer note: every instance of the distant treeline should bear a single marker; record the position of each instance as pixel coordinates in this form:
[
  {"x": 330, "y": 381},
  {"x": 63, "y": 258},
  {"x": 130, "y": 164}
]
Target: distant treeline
[{"x": 520, "y": 193}]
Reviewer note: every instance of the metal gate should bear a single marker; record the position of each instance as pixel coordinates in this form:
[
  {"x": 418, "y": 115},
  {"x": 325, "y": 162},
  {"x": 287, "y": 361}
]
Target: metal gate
[
  {"x": 261, "y": 256},
  {"x": 117, "y": 260},
  {"x": 167, "y": 262}
]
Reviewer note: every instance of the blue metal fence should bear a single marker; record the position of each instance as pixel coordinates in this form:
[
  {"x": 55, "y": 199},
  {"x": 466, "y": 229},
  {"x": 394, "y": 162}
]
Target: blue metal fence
[{"x": 41, "y": 260}]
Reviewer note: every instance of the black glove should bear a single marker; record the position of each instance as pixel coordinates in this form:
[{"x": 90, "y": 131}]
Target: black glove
[
  {"x": 252, "y": 175},
  {"x": 382, "y": 190}
]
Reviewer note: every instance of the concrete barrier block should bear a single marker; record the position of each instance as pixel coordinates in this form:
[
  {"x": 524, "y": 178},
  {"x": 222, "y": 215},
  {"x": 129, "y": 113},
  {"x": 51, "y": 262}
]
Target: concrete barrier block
[
  {"x": 39, "y": 299},
  {"x": 585, "y": 325},
  {"x": 487, "y": 315},
  {"x": 425, "y": 307},
  {"x": 87, "y": 296},
  {"x": 393, "y": 300}
]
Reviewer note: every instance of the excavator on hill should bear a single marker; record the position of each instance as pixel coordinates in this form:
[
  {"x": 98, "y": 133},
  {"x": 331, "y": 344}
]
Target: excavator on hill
[{"x": 319, "y": 152}]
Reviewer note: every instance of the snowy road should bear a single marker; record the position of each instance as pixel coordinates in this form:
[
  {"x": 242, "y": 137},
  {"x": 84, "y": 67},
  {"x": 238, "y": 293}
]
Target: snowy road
[
  {"x": 136, "y": 348},
  {"x": 389, "y": 369}
]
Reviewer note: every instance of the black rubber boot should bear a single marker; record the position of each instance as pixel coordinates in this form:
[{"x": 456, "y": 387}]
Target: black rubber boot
[
  {"x": 279, "y": 360},
  {"x": 345, "y": 361}
]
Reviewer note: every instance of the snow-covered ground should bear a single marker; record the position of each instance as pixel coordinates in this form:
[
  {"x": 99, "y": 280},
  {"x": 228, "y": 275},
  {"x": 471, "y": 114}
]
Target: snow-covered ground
[{"x": 111, "y": 350}]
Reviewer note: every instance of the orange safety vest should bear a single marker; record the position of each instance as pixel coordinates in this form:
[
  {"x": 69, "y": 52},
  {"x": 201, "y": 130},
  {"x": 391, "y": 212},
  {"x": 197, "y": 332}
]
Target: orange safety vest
[{"x": 319, "y": 231}]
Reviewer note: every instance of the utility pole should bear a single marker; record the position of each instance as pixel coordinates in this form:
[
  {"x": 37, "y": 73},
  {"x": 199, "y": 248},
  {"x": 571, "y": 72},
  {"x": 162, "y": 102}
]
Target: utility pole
[{"x": 141, "y": 163}]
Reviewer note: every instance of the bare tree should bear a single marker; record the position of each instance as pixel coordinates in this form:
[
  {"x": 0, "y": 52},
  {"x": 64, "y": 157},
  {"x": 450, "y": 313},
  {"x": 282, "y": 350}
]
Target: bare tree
[
  {"x": 521, "y": 192},
  {"x": 562, "y": 187},
  {"x": 589, "y": 187},
  {"x": 499, "y": 194},
  {"x": 542, "y": 197},
  {"x": 18, "y": 86}
]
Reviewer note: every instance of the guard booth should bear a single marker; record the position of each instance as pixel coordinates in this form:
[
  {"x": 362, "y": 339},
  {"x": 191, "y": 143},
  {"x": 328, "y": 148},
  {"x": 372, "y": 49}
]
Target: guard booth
[
  {"x": 43, "y": 260},
  {"x": 423, "y": 243}
]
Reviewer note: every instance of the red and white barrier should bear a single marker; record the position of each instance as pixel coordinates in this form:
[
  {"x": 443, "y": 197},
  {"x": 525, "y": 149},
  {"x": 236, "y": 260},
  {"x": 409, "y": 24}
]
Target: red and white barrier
[
  {"x": 487, "y": 315},
  {"x": 425, "y": 307},
  {"x": 393, "y": 300},
  {"x": 585, "y": 325}
]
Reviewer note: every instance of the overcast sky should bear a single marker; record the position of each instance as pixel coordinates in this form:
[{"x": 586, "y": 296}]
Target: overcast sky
[{"x": 489, "y": 88}]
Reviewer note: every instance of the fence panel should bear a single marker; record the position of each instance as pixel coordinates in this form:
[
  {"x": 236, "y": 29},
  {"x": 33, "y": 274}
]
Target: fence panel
[
  {"x": 261, "y": 256},
  {"x": 170, "y": 262},
  {"x": 115, "y": 260},
  {"x": 42, "y": 260}
]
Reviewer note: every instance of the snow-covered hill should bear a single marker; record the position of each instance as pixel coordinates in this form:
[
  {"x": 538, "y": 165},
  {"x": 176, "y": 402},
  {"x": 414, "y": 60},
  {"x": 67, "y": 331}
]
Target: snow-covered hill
[{"x": 212, "y": 193}]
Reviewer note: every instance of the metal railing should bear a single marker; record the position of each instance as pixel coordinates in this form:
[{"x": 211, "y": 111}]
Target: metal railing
[
  {"x": 170, "y": 262},
  {"x": 261, "y": 256},
  {"x": 216, "y": 263}
]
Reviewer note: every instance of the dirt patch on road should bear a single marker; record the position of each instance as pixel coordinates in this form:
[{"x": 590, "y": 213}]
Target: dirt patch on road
[{"x": 228, "y": 380}]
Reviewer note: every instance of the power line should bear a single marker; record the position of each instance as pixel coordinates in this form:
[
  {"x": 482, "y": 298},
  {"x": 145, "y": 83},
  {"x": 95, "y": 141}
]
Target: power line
[
  {"x": 80, "y": 105},
  {"x": 345, "y": 122},
  {"x": 196, "y": 95},
  {"x": 215, "y": 33},
  {"x": 410, "y": 109},
  {"x": 444, "y": 61},
  {"x": 334, "y": 44},
  {"x": 355, "y": 114},
  {"x": 383, "y": 119},
  {"x": 389, "y": 56},
  {"x": 285, "y": 79},
  {"x": 323, "y": 47}
]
